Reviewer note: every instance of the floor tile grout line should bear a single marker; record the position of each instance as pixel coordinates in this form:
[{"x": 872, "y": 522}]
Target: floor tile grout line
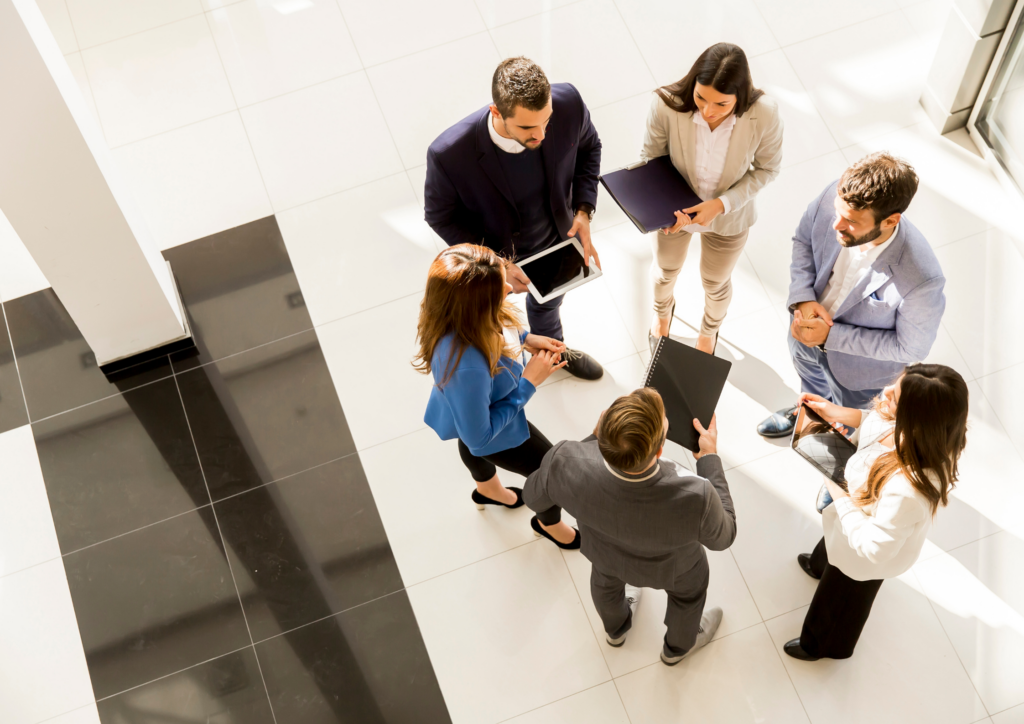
[
  {"x": 931, "y": 606},
  {"x": 119, "y": 38},
  {"x": 135, "y": 530},
  {"x": 332, "y": 615},
  {"x": 173, "y": 673},
  {"x": 69, "y": 711},
  {"x": 234, "y": 99},
  {"x": 30, "y": 566},
  {"x": 583, "y": 609},
  {"x": 554, "y": 701},
  {"x": 789, "y": 676},
  {"x": 639, "y": 50},
  {"x": 472, "y": 563},
  {"x": 224, "y": 543},
  {"x": 340, "y": 191},
  {"x": 17, "y": 367}
]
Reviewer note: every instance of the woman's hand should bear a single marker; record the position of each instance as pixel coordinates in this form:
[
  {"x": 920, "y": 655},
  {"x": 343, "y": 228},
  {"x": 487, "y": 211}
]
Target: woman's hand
[
  {"x": 831, "y": 412},
  {"x": 535, "y": 343},
  {"x": 541, "y": 366},
  {"x": 834, "y": 490},
  {"x": 703, "y": 214},
  {"x": 681, "y": 221}
]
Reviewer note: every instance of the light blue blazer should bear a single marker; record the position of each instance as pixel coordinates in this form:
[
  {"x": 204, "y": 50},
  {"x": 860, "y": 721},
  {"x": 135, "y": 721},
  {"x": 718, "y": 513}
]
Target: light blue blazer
[
  {"x": 890, "y": 319},
  {"x": 484, "y": 412}
]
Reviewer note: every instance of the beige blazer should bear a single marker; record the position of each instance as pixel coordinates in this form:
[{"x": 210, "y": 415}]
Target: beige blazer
[{"x": 752, "y": 161}]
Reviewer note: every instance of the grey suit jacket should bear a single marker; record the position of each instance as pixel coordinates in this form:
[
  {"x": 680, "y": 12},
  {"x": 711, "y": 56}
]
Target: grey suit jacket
[
  {"x": 647, "y": 529},
  {"x": 890, "y": 319}
]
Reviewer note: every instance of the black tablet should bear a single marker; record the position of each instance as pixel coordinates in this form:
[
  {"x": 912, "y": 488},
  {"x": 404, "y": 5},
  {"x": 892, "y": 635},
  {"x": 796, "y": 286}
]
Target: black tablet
[
  {"x": 820, "y": 444},
  {"x": 555, "y": 271}
]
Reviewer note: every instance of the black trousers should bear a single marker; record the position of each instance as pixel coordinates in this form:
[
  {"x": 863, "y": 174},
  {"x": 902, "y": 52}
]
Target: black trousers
[
  {"x": 522, "y": 459},
  {"x": 838, "y": 612}
]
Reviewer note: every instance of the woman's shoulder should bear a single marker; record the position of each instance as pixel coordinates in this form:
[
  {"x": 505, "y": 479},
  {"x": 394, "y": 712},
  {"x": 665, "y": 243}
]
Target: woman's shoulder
[
  {"x": 765, "y": 107},
  {"x": 660, "y": 106},
  {"x": 471, "y": 356}
]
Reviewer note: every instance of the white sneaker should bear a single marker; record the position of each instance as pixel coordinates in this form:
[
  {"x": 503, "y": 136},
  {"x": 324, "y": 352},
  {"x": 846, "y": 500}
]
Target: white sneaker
[
  {"x": 709, "y": 623},
  {"x": 633, "y": 599}
]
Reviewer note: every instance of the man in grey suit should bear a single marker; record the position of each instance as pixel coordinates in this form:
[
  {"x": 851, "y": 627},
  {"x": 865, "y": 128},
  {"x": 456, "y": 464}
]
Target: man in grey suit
[
  {"x": 865, "y": 289},
  {"x": 643, "y": 521}
]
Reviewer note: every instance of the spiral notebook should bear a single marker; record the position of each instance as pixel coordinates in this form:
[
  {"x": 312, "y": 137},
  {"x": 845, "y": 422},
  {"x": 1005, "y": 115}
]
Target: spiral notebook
[{"x": 690, "y": 382}]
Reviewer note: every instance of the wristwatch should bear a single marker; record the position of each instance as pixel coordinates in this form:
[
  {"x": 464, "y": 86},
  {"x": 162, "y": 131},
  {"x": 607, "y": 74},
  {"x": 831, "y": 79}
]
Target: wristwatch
[{"x": 588, "y": 209}]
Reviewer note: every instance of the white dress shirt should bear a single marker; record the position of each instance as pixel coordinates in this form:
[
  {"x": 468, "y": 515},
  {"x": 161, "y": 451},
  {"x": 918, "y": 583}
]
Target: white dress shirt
[
  {"x": 711, "y": 147},
  {"x": 885, "y": 539},
  {"x": 850, "y": 267},
  {"x": 508, "y": 145}
]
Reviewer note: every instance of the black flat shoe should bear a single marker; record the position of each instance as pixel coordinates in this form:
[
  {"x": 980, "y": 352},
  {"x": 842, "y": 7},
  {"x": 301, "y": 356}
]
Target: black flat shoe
[
  {"x": 804, "y": 559},
  {"x": 582, "y": 365},
  {"x": 541, "y": 533},
  {"x": 481, "y": 501},
  {"x": 794, "y": 649},
  {"x": 779, "y": 424}
]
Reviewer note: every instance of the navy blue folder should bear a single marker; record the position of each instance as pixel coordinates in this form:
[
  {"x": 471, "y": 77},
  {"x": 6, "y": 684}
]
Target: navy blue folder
[{"x": 650, "y": 193}]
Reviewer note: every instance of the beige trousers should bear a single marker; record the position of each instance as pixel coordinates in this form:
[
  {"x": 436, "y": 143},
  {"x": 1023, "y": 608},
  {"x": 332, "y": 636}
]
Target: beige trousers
[{"x": 718, "y": 256}]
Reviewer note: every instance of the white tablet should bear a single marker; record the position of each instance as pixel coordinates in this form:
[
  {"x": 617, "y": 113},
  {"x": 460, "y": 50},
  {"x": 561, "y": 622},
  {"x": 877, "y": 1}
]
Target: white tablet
[{"x": 555, "y": 271}]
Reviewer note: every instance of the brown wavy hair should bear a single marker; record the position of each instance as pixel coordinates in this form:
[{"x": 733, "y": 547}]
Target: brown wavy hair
[
  {"x": 465, "y": 296},
  {"x": 929, "y": 436},
  {"x": 724, "y": 67}
]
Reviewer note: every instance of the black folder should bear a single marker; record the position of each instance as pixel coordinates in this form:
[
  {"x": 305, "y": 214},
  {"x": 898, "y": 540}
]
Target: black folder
[
  {"x": 690, "y": 382},
  {"x": 650, "y": 193}
]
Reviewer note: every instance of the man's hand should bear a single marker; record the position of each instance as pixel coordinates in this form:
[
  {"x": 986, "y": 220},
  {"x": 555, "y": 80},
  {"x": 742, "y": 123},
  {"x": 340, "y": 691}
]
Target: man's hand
[
  {"x": 812, "y": 309},
  {"x": 704, "y": 213},
  {"x": 708, "y": 442},
  {"x": 516, "y": 278},
  {"x": 581, "y": 225},
  {"x": 809, "y": 332}
]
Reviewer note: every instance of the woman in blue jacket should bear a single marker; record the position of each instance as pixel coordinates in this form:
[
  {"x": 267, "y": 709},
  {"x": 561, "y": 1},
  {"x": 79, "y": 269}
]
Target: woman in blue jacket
[{"x": 472, "y": 342}]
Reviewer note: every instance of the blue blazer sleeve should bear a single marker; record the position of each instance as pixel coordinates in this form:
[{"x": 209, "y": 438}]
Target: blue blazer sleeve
[
  {"x": 803, "y": 270},
  {"x": 477, "y": 419}
]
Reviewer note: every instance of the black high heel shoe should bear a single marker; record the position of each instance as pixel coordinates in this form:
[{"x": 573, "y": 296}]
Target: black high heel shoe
[
  {"x": 541, "y": 533},
  {"x": 481, "y": 500}
]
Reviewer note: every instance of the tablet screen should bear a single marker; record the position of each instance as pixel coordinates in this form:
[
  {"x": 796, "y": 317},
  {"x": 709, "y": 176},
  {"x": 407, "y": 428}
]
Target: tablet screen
[
  {"x": 822, "y": 445},
  {"x": 556, "y": 269}
]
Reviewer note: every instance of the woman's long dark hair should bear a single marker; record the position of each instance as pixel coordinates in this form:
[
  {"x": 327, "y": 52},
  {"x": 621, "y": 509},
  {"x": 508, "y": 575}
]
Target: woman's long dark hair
[
  {"x": 930, "y": 434},
  {"x": 724, "y": 67}
]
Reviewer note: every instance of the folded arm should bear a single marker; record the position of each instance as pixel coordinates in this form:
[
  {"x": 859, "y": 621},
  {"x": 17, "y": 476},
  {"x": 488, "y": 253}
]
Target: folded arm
[
  {"x": 802, "y": 269},
  {"x": 879, "y": 537},
  {"x": 477, "y": 419},
  {"x": 917, "y": 325},
  {"x": 441, "y": 203}
]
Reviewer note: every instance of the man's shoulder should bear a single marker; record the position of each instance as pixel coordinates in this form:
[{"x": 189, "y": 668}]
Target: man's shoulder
[
  {"x": 458, "y": 137},
  {"x": 918, "y": 257}
]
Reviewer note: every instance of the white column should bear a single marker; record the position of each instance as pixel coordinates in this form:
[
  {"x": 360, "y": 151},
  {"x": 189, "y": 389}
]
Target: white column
[
  {"x": 61, "y": 193},
  {"x": 969, "y": 41}
]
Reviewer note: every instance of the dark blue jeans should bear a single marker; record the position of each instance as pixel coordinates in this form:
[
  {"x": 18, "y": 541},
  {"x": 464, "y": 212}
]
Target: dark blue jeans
[
  {"x": 811, "y": 364},
  {"x": 545, "y": 319}
]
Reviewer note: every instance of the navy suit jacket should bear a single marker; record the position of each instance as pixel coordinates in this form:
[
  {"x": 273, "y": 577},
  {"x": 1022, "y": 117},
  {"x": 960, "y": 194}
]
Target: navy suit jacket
[{"x": 466, "y": 196}]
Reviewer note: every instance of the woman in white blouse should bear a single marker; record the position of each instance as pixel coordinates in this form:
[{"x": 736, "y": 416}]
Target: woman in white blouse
[
  {"x": 902, "y": 473},
  {"x": 725, "y": 137}
]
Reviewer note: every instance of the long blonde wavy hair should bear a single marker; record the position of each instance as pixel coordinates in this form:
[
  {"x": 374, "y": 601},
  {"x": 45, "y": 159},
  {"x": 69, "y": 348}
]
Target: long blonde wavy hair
[{"x": 465, "y": 296}]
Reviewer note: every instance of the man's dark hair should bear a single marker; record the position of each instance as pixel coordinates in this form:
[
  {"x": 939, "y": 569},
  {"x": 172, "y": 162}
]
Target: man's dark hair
[
  {"x": 519, "y": 82},
  {"x": 880, "y": 182},
  {"x": 632, "y": 430}
]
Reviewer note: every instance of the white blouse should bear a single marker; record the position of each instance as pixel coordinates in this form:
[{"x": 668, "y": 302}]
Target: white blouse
[
  {"x": 711, "y": 148},
  {"x": 882, "y": 540}
]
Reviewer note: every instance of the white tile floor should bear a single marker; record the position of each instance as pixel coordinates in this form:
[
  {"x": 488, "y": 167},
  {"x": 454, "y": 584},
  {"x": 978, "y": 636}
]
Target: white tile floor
[{"x": 223, "y": 111}]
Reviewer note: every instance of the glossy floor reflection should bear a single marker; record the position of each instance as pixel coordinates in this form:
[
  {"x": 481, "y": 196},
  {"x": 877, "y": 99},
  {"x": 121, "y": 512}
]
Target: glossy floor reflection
[
  {"x": 170, "y": 591},
  {"x": 12, "y": 403}
]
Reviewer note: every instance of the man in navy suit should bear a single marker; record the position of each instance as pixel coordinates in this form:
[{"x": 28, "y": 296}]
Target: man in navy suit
[{"x": 519, "y": 176}]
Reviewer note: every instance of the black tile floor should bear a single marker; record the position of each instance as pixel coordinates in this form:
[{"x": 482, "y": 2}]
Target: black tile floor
[{"x": 223, "y": 550}]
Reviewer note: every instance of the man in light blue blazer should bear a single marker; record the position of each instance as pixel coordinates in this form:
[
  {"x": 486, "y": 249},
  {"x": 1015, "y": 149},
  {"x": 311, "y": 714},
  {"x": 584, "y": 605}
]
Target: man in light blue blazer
[{"x": 865, "y": 292}]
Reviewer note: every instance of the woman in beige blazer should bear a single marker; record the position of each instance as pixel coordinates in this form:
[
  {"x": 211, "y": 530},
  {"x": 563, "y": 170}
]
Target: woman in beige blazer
[{"x": 725, "y": 137}]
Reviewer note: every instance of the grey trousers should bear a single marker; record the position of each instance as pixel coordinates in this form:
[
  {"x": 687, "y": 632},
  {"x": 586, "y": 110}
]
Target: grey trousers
[{"x": 682, "y": 616}]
